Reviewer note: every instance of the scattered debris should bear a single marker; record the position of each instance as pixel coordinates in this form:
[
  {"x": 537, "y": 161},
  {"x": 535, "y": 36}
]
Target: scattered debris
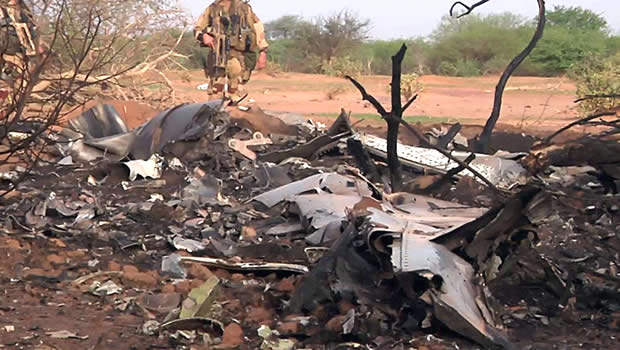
[
  {"x": 107, "y": 288},
  {"x": 204, "y": 230},
  {"x": 65, "y": 335},
  {"x": 200, "y": 300}
]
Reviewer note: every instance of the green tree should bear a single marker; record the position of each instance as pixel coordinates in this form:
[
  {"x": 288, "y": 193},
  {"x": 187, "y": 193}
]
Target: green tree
[
  {"x": 332, "y": 36},
  {"x": 572, "y": 35},
  {"x": 477, "y": 44},
  {"x": 285, "y": 27},
  {"x": 576, "y": 18}
]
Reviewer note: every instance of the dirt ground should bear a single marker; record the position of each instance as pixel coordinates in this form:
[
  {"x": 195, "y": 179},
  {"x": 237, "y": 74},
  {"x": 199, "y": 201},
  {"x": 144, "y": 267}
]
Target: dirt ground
[{"x": 529, "y": 103}]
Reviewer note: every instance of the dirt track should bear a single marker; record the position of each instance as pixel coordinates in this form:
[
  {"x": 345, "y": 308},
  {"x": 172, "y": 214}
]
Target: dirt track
[{"x": 531, "y": 105}]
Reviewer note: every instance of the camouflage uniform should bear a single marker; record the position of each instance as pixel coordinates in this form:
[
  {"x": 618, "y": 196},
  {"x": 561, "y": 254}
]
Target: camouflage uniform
[
  {"x": 17, "y": 40},
  {"x": 245, "y": 37}
]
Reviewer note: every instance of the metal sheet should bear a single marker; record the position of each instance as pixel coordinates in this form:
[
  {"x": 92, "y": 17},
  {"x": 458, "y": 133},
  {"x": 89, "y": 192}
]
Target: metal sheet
[
  {"x": 175, "y": 124},
  {"x": 323, "y": 209},
  {"x": 330, "y": 183},
  {"x": 455, "y": 301},
  {"x": 504, "y": 173},
  {"x": 100, "y": 121}
]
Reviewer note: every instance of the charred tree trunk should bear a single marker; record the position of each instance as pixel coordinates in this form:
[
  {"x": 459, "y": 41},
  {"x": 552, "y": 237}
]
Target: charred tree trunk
[
  {"x": 392, "y": 118},
  {"x": 482, "y": 146}
]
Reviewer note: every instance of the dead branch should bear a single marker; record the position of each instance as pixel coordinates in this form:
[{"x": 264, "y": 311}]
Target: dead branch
[
  {"x": 469, "y": 9},
  {"x": 591, "y": 97},
  {"x": 391, "y": 117},
  {"x": 482, "y": 145},
  {"x": 581, "y": 121}
]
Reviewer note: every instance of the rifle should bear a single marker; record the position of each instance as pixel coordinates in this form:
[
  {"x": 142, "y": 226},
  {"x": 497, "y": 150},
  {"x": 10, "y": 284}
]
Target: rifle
[
  {"x": 218, "y": 57},
  {"x": 23, "y": 33}
]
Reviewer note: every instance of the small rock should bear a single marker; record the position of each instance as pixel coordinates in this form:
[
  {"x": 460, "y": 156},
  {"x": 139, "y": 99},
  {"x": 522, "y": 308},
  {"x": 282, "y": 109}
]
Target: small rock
[
  {"x": 141, "y": 279},
  {"x": 286, "y": 286},
  {"x": 248, "y": 233},
  {"x": 196, "y": 283},
  {"x": 237, "y": 277},
  {"x": 55, "y": 259},
  {"x": 13, "y": 244},
  {"x": 114, "y": 266},
  {"x": 259, "y": 315},
  {"x": 233, "y": 335},
  {"x": 130, "y": 269},
  {"x": 233, "y": 306},
  {"x": 222, "y": 274},
  {"x": 288, "y": 328},
  {"x": 168, "y": 289},
  {"x": 183, "y": 287},
  {"x": 77, "y": 254},
  {"x": 335, "y": 324},
  {"x": 200, "y": 271},
  {"x": 58, "y": 243}
]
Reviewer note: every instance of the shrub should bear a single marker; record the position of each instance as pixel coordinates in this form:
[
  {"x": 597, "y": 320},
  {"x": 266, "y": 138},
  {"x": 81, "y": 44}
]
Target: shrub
[
  {"x": 597, "y": 76},
  {"x": 447, "y": 68},
  {"x": 342, "y": 66},
  {"x": 410, "y": 85}
]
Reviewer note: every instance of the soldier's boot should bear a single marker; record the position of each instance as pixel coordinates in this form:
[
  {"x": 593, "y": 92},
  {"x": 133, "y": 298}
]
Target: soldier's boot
[{"x": 235, "y": 96}]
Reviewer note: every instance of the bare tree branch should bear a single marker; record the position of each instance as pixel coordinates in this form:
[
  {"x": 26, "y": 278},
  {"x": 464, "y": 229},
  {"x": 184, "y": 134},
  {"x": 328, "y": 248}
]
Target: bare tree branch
[
  {"x": 367, "y": 97},
  {"x": 469, "y": 9},
  {"x": 581, "y": 121},
  {"x": 590, "y": 97},
  {"x": 408, "y": 104}
]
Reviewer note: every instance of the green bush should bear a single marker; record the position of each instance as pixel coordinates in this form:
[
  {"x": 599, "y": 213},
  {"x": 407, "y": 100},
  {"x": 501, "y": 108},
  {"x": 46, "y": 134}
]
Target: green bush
[
  {"x": 467, "y": 68},
  {"x": 410, "y": 85},
  {"x": 447, "y": 68},
  {"x": 561, "y": 48},
  {"x": 597, "y": 76},
  {"x": 342, "y": 66}
]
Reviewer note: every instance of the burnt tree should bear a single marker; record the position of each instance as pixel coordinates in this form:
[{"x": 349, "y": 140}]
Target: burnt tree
[
  {"x": 392, "y": 117},
  {"x": 482, "y": 145}
]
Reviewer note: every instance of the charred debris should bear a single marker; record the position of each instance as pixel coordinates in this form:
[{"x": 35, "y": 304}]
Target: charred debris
[{"x": 273, "y": 199}]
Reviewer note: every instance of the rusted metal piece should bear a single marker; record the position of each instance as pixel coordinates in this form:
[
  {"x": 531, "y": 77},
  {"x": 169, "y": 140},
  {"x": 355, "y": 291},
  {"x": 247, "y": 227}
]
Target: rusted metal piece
[{"x": 242, "y": 146}]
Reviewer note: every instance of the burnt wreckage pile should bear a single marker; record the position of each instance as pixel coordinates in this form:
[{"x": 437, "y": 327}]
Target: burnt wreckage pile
[{"x": 261, "y": 193}]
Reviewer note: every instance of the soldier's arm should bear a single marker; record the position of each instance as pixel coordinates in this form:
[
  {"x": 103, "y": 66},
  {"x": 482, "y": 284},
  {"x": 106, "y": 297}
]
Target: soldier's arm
[
  {"x": 259, "y": 29},
  {"x": 201, "y": 25}
]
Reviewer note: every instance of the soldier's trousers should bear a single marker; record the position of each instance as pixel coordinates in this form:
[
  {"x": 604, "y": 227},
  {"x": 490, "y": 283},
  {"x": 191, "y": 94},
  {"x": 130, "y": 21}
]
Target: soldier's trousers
[{"x": 235, "y": 73}]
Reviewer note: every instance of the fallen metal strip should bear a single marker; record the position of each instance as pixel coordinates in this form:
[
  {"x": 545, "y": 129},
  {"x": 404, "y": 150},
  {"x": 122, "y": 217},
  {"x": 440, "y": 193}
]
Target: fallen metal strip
[
  {"x": 247, "y": 266},
  {"x": 503, "y": 173}
]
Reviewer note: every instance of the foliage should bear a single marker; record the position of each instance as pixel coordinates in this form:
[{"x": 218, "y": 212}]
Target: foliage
[
  {"x": 464, "y": 47},
  {"x": 283, "y": 28},
  {"x": 576, "y": 18},
  {"x": 410, "y": 85},
  {"x": 560, "y": 48},
  {"x": 472, "y": 45},
  {"x": 597, "y": 76},
  {"x": 341, "y": 67},
  {"x": 332, "y": 36}
]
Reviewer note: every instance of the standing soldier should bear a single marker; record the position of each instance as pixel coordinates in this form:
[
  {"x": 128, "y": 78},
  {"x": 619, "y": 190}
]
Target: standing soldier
[
  {"x": 236, "y": 38},
  {"x": 17, "y": 42}
]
